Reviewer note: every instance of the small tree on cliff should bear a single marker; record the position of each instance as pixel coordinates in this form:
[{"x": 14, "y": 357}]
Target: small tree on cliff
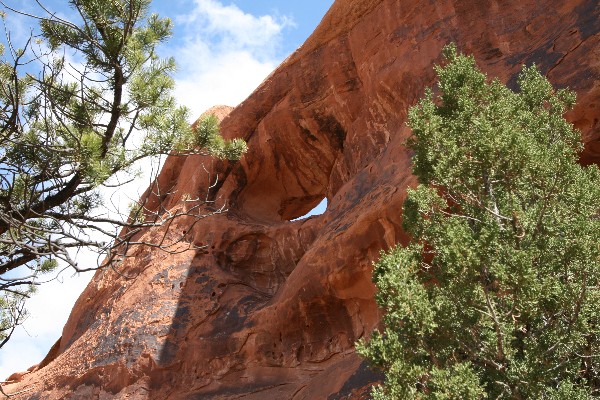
[
  {"x": 497, "y": 295},
  {"x": 66, "y": 128}
]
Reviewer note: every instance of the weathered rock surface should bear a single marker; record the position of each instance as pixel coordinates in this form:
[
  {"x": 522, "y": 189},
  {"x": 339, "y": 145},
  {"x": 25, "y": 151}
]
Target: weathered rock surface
[{"x": 270, "y": 308}]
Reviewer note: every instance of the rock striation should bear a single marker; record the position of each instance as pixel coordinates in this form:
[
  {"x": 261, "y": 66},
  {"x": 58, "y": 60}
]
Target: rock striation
[{"x": 268, "y": 307}]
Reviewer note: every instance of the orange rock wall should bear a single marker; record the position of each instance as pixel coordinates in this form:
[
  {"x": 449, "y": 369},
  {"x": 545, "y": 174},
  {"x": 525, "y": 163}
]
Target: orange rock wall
[{"x": 270, "y": 309}]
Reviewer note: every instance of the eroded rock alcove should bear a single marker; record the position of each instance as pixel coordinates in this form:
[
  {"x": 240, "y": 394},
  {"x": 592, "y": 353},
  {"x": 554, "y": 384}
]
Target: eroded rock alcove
[{"x": 268, "y": 308}]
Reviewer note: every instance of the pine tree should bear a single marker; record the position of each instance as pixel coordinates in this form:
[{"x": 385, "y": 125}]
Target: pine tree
[
  {"x": 497, "y": 294},
  {"x": 66, "y": 129}
]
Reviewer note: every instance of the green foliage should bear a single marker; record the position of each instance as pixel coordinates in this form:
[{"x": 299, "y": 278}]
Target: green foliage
[
  {"x": 206, "y": 135},
  {"x": 66, "y": 130},
  {"x": 497, "y": 295}
]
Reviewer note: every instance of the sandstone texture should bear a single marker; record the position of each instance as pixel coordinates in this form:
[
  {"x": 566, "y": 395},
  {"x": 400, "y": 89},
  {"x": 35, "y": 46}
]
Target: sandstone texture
[{"x": 269, "y": 308}]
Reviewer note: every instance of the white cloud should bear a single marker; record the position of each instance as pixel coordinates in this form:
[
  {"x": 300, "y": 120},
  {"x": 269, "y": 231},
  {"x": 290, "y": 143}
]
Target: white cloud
[
  {"x": 223, "y": 55},
  {"x": 229, "y": 27},
  {"x": 228, "y": 81}
]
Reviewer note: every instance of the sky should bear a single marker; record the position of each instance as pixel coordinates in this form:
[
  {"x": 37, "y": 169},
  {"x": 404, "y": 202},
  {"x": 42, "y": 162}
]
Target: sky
[{"x": 224, "y": 50}]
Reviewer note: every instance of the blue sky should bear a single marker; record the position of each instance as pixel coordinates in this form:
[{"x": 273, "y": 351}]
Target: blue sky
[
  {"x": 224, "y": 49},
  {"x": 305, "y": 16}
]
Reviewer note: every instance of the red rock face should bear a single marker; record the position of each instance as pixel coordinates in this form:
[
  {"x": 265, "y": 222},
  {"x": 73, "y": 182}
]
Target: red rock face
[{"x": 270, "y": 309}]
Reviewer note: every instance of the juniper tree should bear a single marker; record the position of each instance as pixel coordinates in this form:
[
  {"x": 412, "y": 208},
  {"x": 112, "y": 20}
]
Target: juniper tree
[
  {"x": 497, "y": 294},
  {"x": 68, "y": 127}
]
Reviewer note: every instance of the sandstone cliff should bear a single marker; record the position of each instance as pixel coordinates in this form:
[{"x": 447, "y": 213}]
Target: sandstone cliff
[{"x": 270, "y": 309}]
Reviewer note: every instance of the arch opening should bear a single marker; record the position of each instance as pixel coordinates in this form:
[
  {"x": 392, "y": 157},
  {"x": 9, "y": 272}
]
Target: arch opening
[{"x": 317, "y": 210}]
